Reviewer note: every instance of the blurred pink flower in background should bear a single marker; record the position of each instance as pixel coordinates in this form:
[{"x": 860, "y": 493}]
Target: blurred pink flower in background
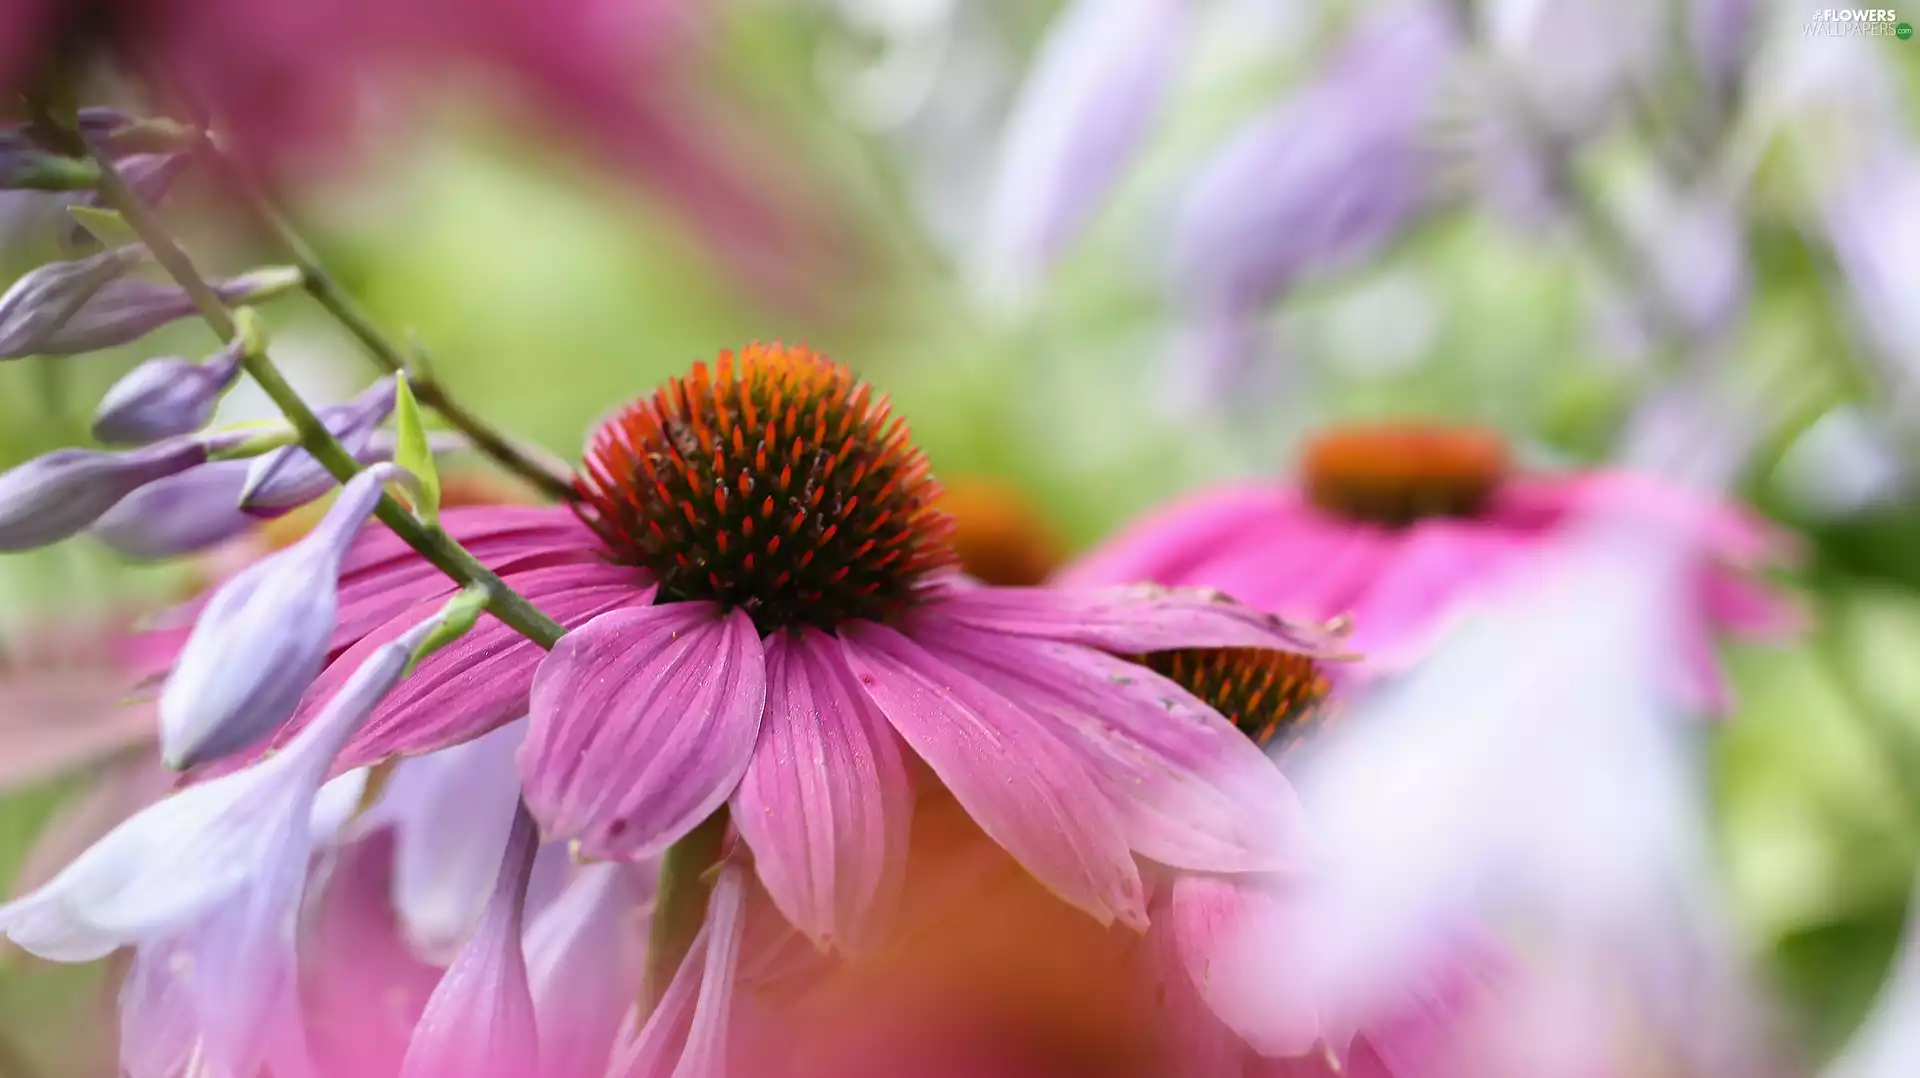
[
  {"x": 288, "y": 86},
  {"x": 1400, "y": 527}
]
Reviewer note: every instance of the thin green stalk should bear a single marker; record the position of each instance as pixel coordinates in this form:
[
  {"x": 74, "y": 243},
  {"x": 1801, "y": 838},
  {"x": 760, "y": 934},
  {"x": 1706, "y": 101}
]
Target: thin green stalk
[
  {"x": 433, "y": 544},
  {"x": 680, "y": 905},
  {"x": 327, "y": 291}
]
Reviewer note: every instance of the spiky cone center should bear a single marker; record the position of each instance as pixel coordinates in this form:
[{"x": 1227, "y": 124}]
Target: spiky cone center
[
  {"x": 1396, "y": 474},
  {"x": 1277, "y": 698},
  {"x": 773, "y": 482}
]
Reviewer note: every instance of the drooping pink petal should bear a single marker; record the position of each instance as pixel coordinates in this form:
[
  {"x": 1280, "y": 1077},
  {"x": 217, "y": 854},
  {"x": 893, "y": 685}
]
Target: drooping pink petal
[
  {"x": 505, "y": 529},
  {"x": 642, "y": 722},
  {"x": 1298, "y": 564},
  {"x": 1746, "y": 607},
  {"x": 1196, "y": 1041},
  {"x": 826, "y": 801},
  {"x": 1189, "y": 789},
  {"x": 1025, "y": 785},
  {"x": 1417, "y": 589},
  {"x": 584, "y": 959},
  {"x": 1230, "y": 930},
  {"x": 370, "y": 601},
  {"x": 1130, "y": 620},
  {"x": 1171, "y": 542},
  {"x": 479, "y": 1022},
  {"x": 1724, "y": 530},
  {"x": 686, "y": 1035},
  {"x": 363, "y": 987}
]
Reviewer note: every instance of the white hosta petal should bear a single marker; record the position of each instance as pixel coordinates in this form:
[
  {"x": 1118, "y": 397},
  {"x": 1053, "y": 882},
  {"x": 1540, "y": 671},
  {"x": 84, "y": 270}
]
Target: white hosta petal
[{"x": 452, "y": 811}]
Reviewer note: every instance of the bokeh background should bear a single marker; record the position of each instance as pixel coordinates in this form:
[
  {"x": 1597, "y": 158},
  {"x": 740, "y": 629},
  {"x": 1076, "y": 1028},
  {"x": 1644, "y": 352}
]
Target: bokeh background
[{"x": 550, "y": 283}]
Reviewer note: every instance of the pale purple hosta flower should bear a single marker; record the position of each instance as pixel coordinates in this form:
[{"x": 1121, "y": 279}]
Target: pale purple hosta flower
[
  {"x": 194, "y": 510},
  {"x": 162, "y": 398},
  {"x": 1335, "y": 173},
  {"x": 206, "y": 884},
  {"x": 57, "y": 495},
  {"x": 797, "y": 692},
  {"x": 584, "y": 965},
  {"x": 64, "y": 314},
  {"x": 151, "y": 176},
  {"x": 451, "y": 812},
  {"x": 1095, "y": 89},
  {"x": 200, "y": 507},
  {"x": 262, "y": 638},
  {"x": 40, "y": 302},
  {"x": 289, "y": 477},
  {"x": 479, "y": 1022}
]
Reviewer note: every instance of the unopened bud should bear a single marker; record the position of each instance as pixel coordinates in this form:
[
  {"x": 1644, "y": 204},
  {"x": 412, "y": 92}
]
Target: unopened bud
[
  {"x": 263, "y": 637},
  {"x": 54, "y": 496},
  {"x": 287, "y": 478},
  {"x": 162, "y": 398}
]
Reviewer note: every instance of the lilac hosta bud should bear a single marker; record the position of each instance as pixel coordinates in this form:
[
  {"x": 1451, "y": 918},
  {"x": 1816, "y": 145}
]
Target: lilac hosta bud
[
  {"x": 180, "y": 514},
  {"x": 127, "y": 309},
  {"x": 290, "y": 477},
  {"x": 194, "y": 510},
  {"x": 151, "y": 176},
  {"x": 54, "y": 496},
  {"x": 1091, "y": 97},
  {"x": 39, "y": 303},
  {"x": 262, "y": 638},
  {"x": 1338, "y": 171},
  {"x": 162, "y": 398}
]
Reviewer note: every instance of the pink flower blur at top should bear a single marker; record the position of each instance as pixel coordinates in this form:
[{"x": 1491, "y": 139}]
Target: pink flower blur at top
[
  {"x": 290, "y": 86},
  {"x": 764, "y": 618},
  {"x": 1398, "y": 527}
]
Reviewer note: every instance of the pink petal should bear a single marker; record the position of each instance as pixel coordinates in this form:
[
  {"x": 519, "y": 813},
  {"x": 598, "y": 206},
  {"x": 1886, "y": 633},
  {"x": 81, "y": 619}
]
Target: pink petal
[
  {"x": 1434, "y": 567},
  {"x": 363, "y": 987},
  {"x": 1190, "y": 789},
  {"x": 826, "y": 801},
  {"x": 479, "y": 1022},
  {"x": 686, "y": 1035},
  {"x": 1724, "y": 529},
  {"x": 1198, "y": 1043},
  {"x": 1027, "y": 787},
  {"x": 507, "y": 527},
  {"x": 1229, "y": 931},
  {"x": 1173, "y": 542},
  {"x": 1130, "y": 620},
  {"x": 471, "y": 686},
  {"x": 1749, "y": 608},
  {"x": 643, "y": 721},
  {"x": 1299, "y": 565}
]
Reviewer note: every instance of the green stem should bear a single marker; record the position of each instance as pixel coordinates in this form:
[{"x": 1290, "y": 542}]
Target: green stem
[
  {"x": 681, "y": 904},
  {"x": 432, "y": 543},
  {"x": 327, "y": 291}
]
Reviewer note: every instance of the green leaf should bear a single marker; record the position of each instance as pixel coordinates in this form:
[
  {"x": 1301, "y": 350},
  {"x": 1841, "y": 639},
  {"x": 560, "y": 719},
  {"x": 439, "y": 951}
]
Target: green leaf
[
  {"x": 413, "y": 453},
  {"x": 107, "y": 226},
  {"x": 457, "y": 618}
]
